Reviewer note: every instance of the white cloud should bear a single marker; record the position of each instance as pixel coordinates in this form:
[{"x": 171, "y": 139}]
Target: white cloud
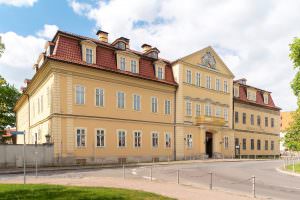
[
  {"x": 252, "y": 36},
  {"x": 48, "y": 32},
  {"x": 21, "y": 52},
  {"x": 18, "y": 3},
  {"x": 79, "y": 8}
]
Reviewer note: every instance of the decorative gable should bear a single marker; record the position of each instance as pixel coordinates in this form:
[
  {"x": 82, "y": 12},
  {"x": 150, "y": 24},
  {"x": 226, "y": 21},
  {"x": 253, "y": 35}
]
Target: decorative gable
[{"x": 208, "y": 60}]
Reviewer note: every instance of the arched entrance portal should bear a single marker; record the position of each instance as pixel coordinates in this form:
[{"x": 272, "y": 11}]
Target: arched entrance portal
[{"x": 209, "y": 144}]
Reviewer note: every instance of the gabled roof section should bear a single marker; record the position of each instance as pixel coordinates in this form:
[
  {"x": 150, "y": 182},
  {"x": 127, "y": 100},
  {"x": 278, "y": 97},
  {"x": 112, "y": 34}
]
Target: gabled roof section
[{"x": 210, "y": 56}]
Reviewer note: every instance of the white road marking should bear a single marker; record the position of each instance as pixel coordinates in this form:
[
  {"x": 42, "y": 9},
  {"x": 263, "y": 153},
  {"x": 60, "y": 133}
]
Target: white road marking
[{"x": 148, "y": 177}]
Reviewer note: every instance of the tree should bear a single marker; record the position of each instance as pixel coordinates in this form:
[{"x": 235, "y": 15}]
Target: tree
[
  {"x": 8, "y": 98},
  {"x": 292, "y": 137},
  {"x": 2, "y": 47}
]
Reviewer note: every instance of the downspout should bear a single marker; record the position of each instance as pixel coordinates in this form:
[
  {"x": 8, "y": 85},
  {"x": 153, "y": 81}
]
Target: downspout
[
  {"x": 175, "y": 124},
  {"x": 28, "y": 99}
]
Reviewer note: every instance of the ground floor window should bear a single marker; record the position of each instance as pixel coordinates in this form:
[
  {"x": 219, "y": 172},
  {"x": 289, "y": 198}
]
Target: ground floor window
[
  {"x": 226, "y": 143},
  {"x": 258, "y": 144},
  {"x": 80, "y": 137},
  {"x": 252, "y": 144},
  {"x": 137, "y": 138},
  {"x": 272, "y": 145},
  {"x": 100, "y": 138},
  {"x": 189, "y": 140},
  {"x": 244, "y": 144},
  {"x": 121, "y": 138},
  {"x": 155, "y": 140},
  {"x": 266, "y": 144},
  {"x": 168, "y": 140}
]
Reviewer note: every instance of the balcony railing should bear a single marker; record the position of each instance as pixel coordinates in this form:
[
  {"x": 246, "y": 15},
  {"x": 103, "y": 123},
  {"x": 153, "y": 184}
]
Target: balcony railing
[{"x": 219, "y": 121}]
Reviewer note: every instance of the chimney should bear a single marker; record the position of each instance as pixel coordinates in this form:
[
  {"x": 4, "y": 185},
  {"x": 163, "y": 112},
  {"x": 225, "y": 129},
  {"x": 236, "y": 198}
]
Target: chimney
[
  {"x": 146, "y": 47},
  {"x": 102, "y": 36},
  {"x": 242, "y": 81}
]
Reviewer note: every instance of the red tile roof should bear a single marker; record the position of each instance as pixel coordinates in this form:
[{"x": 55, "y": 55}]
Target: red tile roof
[
  {"x": 68, "y": 49},
  {"x": 259, "y": 98}
]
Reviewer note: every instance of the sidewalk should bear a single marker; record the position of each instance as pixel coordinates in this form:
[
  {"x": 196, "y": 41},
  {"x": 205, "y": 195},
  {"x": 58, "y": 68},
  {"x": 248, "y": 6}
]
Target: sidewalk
[
  {"x": 86, "y": 167},
  {"x": 173, "y": 190}
]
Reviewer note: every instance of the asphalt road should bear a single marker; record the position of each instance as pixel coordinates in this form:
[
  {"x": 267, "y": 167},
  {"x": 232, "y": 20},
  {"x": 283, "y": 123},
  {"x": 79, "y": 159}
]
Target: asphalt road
[{"x": 229, "y": 176}]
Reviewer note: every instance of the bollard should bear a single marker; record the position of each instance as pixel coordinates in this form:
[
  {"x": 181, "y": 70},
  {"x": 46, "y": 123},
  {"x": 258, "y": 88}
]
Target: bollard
[
  {"x": 293, "y": 165},
  {"x": 151, "y": 173},
  {"x": 123, "y": 171},
  {"x": 177, "y": 176},
  {"x": 253, "y": 186},
  {"x": 284, "y": 160},
  {"x": 210, "y": 185}
]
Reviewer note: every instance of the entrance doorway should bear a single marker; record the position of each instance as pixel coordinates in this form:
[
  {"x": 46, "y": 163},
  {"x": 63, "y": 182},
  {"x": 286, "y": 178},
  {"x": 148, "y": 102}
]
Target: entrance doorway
[{"x": 209, "y": 144}]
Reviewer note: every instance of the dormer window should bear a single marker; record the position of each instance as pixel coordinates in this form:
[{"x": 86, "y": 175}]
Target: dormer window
[
  {"x": 251, "y": 95},
  {"x": 88, "y": 51},
  {"x": 236, "y": 91},
  {"x": 120, "y": 45},
  {"x": 133, "y": 66},
  {"x": 152, "y": 52},
  {"x": 160, "y": 69},
  {"x": 266, "y": 99},
  {"x": 89, "y": 56},
  {"x": 122, "y": 64},
  {"x": 159, "y": 73},
  {"x": 153, "y": 55}
]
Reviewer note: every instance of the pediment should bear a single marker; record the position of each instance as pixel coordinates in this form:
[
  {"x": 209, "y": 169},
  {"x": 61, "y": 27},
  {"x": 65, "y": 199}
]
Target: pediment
[{"x": 207, "y": 58}]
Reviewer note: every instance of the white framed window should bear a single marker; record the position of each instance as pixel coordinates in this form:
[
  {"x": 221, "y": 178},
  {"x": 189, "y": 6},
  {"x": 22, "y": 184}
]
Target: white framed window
[
  {"x": 48, "y": 96},
  {"x": 168, "y": 140},
  {"x": 160, "y": 74},
  {"x": 42, "y": 103},
  {"x": 218, "y": 84},
  {"x": 198, "y": 110},
  {"x": 218, "y": 111},
  {"x": 226, "y": 114},
  {"x": 188, "y": 108},
  {"x": 122, "y": 64},
  {"x": 154, "y": 139},
  {"x": 226, "y": 142},
  {"x": 136, "y": 102},
  {"x": 121, "y": 100},
  {"x": 236, "y": 91},
  {"x": 225, "y": 86},
  {"x": 80, "y": 96},
  {"x": 208, "y": 82},
  {"x": 189, "y": 141},
  {"x": 80, "y": 137},
  {"x": 99, "y": 97},
  {"x": 121, "y": 138},
  {"x": 207, "y": 109},
  {"x": 133, "y": 66},
  {"x": 100, "y": 138},
  {"x": 167, "y": 107},
  {"x": 137, "y": 139},
  {"x": 89, "y": 55},
  {"x": 189, "y": 76},
  {"x": 251, "y": 95},
  {"x": 198, "y": 79},
  {"x": 154, "y": 104},
  {"x": 266, "y": 99},
  {"x": 39, "y": 106}
]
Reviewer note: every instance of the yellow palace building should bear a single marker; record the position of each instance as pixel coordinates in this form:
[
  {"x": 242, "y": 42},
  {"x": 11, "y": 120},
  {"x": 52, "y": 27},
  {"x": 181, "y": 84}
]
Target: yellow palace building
[{"x": 98, "y": 101}]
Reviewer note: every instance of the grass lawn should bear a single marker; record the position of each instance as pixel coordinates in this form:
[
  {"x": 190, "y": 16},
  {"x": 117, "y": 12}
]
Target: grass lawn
[
  {"x": 297, "y": 167},
  {"x": 43, "y": 192}
]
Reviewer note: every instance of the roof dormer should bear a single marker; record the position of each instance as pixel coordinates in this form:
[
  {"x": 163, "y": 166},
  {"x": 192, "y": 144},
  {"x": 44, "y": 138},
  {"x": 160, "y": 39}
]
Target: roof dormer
[
  {"x": 121, "y": 43},
  {"x": 266, "y": 98},
  {"x": 160, "y": 69},
  {"x": 251, "y": 94},
  {"x": 152, "y": 52},
  {"x": 88, "y": 49}
]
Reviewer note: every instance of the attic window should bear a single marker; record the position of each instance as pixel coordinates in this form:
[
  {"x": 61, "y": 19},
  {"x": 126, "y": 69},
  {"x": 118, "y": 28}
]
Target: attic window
[
  {"x": 251, "y": 95},
  {"x": 153, "y": 55},
  {"x": 120, "y": 45},
  {"x": 266, "y": 99}
]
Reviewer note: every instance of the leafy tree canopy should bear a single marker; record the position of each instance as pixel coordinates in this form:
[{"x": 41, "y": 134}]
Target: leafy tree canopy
[{"x": 8, "y": 98}]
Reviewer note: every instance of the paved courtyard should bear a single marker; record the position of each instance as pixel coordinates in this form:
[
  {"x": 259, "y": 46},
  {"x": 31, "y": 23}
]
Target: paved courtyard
[{"x": 231, "y": 180}]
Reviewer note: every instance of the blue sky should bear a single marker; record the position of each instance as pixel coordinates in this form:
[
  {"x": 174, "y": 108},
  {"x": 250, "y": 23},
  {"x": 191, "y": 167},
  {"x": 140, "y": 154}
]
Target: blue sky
[
  {"x": 29, "y": 20},
  {"x": 251, "y": 36}
]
